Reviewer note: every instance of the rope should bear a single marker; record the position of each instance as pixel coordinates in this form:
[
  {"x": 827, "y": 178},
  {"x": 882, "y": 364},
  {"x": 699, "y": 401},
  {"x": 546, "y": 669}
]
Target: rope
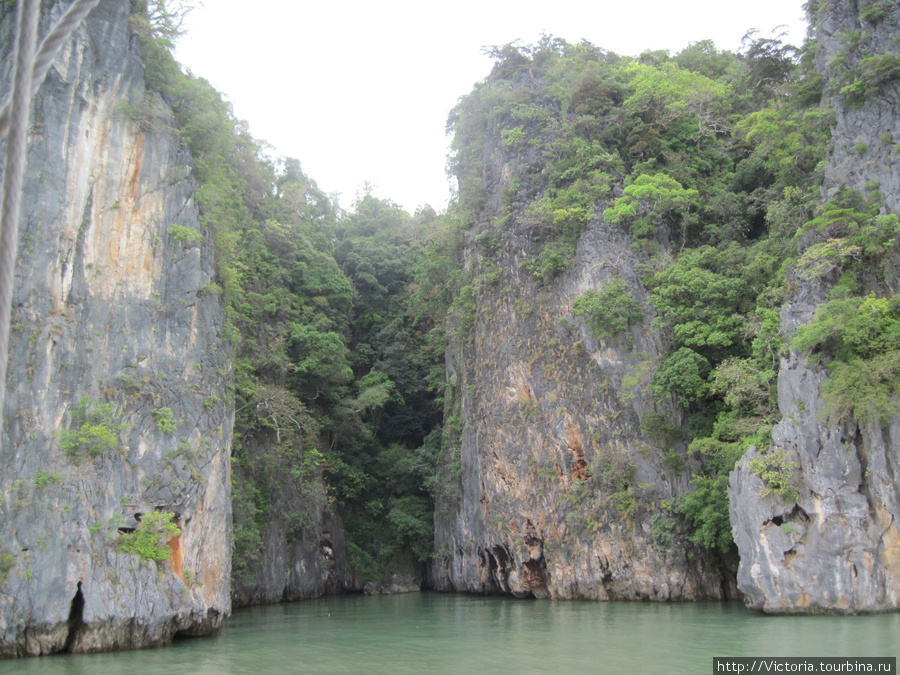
[
  {"x": 14, "y": 173},
  {"x": 48, "y": 50}
]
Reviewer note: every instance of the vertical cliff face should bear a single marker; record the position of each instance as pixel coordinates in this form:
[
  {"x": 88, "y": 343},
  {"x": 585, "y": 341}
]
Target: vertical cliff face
[
  {"x": 292, "y": 564},
  {"x": 558, "y": 485},
  {"x": 857, "y": 46},
  {"x": 558, "y": 490},
  {"x": 116, "y": 407},
  {"x": 836, "y": 547},
  {"x": 299, "y": 551}
]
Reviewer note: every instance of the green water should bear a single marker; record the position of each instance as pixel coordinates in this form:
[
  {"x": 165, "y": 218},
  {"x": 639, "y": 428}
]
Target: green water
[{"x": 435, "y": 633}]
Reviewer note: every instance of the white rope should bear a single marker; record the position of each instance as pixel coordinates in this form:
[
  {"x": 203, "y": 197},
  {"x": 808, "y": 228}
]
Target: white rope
[
  {"x": 48, "y": 50},
  {"x": 14, "y": 173}
]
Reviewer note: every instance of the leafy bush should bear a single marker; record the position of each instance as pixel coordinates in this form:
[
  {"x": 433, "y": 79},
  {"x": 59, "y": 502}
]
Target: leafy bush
[
  {"x": 865, "y": 389},
  {"x": 7, "y": 562},
  {"x": 97, "y": 428},
  {"x": 856, "y": 235},
  {"x": 512, "y": 138},
  {"x": 464, "y": 306},
  {"x": 165, "y": 420},
  {"x": 609, "y": 311},
  {"x": 861, "y": 335},
  {"x": 652, "y": 200},
  {"x": 658, "y": 428},
  {"x": 682, "y": 374},
  {"x": 151, "y": 540},
  {"x": 875, "y": 12},
  {"x": 873, "y": 74},
  {"x": 185, "y": 235},
  {"x": 43, "y": 478},
  {"x": 776, "y": 471},
  {"x": 743, "y": 386},
  {"x": 554, "y": 259},
  {"x": 852, "y": 328},
  {"x": 705, "y": 509},
  {"x": 412, "y": 519},
  {"x": 249, "y": 519},
  {"x": 701, "y": 300}
]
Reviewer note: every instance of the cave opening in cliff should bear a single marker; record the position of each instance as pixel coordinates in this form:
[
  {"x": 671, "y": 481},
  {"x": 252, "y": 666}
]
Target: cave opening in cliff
[
  {"x": 76, "y": 619},
  {"x": 131, "y": 530},
  {"x": 758, "y": 226}
]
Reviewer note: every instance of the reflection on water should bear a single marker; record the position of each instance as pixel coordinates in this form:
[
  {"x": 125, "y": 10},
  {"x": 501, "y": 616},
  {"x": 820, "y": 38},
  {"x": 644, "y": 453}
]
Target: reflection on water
[{"x": 430, "y": 632}]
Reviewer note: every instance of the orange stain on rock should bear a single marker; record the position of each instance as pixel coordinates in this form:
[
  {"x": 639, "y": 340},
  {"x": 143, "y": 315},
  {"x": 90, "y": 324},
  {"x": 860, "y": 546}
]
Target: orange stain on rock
[
  {"x": 890, "y": 539},
  {"x": 134, "y": 184},
  {"x": 575, "y": 442},
  {"x": 176, "y": 560}
]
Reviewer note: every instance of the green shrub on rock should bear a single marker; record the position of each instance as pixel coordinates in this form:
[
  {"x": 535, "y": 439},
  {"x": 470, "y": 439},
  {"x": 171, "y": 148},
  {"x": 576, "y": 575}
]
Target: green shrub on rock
[
  {"x": 151, "y": 540},
  {"x": 609, "y": 311},
  {"x": 96, "y": 429},
  {"x": 776, "y": 469}
]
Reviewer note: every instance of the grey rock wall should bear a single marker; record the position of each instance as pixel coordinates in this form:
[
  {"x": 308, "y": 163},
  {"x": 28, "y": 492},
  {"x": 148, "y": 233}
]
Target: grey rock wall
[
  {"x": 864, "y": 155},
  {"x": 550, "y": 488},
  {"x": 111, "y": 310},
  {"x": 296, "y": 567},
  {"x": 301, "y": 549},
  {"x": 836, "y": 548}
]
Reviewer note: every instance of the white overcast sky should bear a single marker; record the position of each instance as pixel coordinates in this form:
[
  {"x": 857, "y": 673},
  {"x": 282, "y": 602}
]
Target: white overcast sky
[{"x": 360, "y": 91}]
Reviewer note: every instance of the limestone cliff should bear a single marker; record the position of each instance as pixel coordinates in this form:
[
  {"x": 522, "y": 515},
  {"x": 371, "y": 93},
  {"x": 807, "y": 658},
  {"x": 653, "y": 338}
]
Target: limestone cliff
[
  {"x": 558, "y": 485},
  {"x": 117, "y": 403},
  {"x": 555, "y": 486},
  {"x": 836, "y": 547},
  {"x": 298, "y": 551}
]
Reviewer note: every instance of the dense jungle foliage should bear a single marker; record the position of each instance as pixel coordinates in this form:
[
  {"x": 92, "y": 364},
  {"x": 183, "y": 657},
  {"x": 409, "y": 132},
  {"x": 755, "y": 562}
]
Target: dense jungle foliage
[
  {"x": 332, "y": 361},
  {"x": 710, "y": 160}
]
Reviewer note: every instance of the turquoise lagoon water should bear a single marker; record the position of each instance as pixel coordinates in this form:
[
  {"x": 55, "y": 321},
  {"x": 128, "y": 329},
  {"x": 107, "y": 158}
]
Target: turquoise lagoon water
[{"x": 443, "y": 633}]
